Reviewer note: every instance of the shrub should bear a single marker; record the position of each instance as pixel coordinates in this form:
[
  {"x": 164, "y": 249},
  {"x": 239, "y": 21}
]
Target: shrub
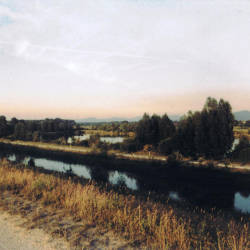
[
  {"x": 94, "y": 140},
  {"x": 242, "y": 150},
  {"x": 174, "y": 159},
  {"x": 129, "y": 145},
  {"x": 243, "y": 155},
  {"x": 243, "y": 143}
]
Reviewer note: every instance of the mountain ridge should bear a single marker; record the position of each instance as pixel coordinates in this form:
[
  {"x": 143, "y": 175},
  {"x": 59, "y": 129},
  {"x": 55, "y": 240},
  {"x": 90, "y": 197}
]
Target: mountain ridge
[
  {"x": 243, "y": 115},
  {"x": 118, "y": 119}
]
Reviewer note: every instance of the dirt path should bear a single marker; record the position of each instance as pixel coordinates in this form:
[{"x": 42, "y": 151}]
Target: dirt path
[
  {"x": 31, "y": 226},
  {"x": 15, "y": 237}
]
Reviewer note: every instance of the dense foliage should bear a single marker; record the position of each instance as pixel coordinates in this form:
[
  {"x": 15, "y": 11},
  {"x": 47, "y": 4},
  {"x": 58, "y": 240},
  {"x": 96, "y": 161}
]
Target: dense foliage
[
  {"x": 242, "y": 150},
  {"x": 121, "y": 127},
  {"x": 151, "y": 130},
  {"x": 207, "y": 133},
  {"x": 42, "y": 130}
]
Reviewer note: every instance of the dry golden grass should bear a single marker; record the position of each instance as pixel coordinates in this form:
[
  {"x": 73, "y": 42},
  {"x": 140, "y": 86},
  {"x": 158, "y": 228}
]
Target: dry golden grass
[
  {"x": 50, "y": 146},
  {"x": 145, "y": 223}
]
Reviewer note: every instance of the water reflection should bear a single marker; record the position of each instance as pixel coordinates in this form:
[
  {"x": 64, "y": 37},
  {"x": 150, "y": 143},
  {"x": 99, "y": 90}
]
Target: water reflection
[
  {"x": 174, "y": 196},
  {"x": 12, "y": 158},
  {"x": 112, "y": 140},
  {"x": 114, "y": 177},
  {"x": 77, "y": 169},
  {"x": 242, "y": 203},
  {"x": 235, "y": 143},
  {"x": 186, "y": 192},
  {"x": 118, "y": 178},
  {"x": 81, "y": 137}
]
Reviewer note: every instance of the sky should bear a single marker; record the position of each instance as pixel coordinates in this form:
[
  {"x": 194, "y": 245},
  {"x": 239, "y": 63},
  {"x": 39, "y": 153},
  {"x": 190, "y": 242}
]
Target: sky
[{"x": 121, "y": 58}]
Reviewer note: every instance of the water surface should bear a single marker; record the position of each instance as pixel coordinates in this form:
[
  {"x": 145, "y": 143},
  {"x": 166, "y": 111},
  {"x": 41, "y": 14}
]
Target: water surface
[{"x": 175, "y": 190}]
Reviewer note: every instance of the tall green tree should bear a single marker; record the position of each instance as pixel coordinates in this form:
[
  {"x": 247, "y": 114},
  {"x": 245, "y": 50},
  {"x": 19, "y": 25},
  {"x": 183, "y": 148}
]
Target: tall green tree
[
  {"x": 166, "y": 127},
  {"x": 3, "y": 126},
  {"x": 20, "y": 130},
  {"x": 151, "y": 130},
  {"x": 185, "y": 137},
  {"x": 207, "y": 133}
]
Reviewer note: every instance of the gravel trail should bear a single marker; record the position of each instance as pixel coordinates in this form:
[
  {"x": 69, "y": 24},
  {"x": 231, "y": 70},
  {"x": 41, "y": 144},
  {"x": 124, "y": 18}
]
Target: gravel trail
[{"x": 13, "y": 236}]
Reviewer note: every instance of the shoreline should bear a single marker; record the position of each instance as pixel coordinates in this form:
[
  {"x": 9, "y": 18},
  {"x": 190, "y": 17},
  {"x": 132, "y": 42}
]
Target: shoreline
[
  {"x": 192, "y": 183},
  {"x": 80, "y": 150}
]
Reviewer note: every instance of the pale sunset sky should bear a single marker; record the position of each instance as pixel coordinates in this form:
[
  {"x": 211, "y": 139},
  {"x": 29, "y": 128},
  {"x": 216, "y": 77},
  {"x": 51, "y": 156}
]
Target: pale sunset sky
[{"x": 110, "y": 58}]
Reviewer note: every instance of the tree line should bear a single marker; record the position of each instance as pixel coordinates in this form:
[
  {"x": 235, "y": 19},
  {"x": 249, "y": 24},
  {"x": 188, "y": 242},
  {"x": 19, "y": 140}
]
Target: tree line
[
  {"x": 37, "y": 130},
  {"x": 207, "y": 133},
  {"x": 120, "y": 128}
]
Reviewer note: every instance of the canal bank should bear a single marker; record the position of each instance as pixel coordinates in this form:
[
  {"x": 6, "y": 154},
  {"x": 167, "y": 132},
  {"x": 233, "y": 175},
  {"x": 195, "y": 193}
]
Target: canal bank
[
  {"x": 142, "y": 222},
  {"x": 202, "y": 187}
]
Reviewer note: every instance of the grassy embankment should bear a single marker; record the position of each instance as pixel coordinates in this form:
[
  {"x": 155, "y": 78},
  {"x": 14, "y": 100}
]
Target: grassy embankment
[
  {"x": 81, "y": 150},
  {"x": 116, "y": 153},
  {"x": 145, "y": 223},
  {"x": 50, "y": 146}
]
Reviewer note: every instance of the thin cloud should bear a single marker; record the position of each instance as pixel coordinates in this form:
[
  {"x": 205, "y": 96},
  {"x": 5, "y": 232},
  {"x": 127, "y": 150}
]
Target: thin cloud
[{"x": 111, "y": 53}]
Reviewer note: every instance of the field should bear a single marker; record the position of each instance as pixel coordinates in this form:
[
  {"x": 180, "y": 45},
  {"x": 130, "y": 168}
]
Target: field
[
  {"x": 141, "y": 222},
  {"x": 108, "y": 133},
  {"x": 239, "y": 131}
]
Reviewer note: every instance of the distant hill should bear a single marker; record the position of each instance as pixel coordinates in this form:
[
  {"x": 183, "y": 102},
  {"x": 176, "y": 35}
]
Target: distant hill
[
  {"x": 118, "y": 119},
  {"x": 111, "y": 119},
  {"x": 243, "y": 115}
]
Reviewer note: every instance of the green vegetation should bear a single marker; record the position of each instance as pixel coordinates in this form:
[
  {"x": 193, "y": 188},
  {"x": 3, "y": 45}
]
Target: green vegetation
[
  {"x": 207, "y": 133},
  {"x": 141, "y": 220},
  {"x": 242, "y": 150},
  {"x": 40, "y": 130},
  {"x": 151, "y": 130},
  {"x": 123, "y": 128}
]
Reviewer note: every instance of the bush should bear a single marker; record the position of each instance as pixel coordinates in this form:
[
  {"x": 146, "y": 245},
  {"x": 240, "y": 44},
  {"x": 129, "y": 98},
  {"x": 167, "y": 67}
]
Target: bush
[
  {"x": 129, "y": 145},
  {"x": 242, "y": 150},
  {"x": 174, "y": 159},
  {"x": 83, "y": 143},
  {"x": 243, "y": 143},
  {"x": 243, "y": 155},
  {"x": 94, "y": 141},
  {"x": 114, "y": 146}
]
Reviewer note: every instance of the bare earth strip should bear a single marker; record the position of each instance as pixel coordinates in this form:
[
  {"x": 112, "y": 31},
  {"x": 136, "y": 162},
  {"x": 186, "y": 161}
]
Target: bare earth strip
[{"x": 15, "y": 237}]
